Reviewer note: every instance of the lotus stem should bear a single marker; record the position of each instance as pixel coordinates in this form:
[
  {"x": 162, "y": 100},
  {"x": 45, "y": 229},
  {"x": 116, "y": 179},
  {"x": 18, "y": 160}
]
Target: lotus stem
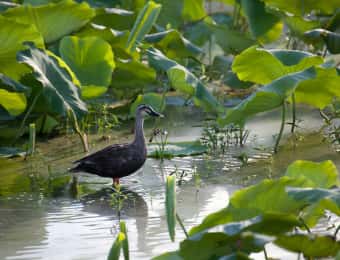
[
  {"x": 293, "y": 114},
  {"x": 26, "y": 116},
  {"x": 182, "y": 226},
  {"x": 265, "y": 253},
  {"x": 31, "y": 143},
  {"x": 83, "y": 136},
  {"x": 283, "y": 118}
]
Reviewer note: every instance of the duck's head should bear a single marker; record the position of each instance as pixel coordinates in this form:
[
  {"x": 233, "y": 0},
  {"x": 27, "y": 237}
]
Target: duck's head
[{"x": 147, "y": 110}]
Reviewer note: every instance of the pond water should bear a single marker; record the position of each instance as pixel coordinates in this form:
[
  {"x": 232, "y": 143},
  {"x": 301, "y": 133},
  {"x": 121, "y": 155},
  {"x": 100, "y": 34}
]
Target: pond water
[{"x": 42, "y": 217}]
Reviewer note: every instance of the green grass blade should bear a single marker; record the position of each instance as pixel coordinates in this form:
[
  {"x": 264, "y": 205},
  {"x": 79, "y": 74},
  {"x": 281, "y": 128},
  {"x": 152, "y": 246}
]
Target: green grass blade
[
  {"x": 125, "y": 242},
  {"x": 115, "y": 249},
  {"x": 170, "y": 203},
  {"x": 144, "y": 22}
]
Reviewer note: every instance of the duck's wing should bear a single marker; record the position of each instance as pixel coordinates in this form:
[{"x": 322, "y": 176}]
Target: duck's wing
[{"x": 111, "y": 149}]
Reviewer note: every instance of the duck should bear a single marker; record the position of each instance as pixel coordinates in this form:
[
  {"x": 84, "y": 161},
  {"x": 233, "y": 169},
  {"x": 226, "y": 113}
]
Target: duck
[{"x": 119, "y": 160}]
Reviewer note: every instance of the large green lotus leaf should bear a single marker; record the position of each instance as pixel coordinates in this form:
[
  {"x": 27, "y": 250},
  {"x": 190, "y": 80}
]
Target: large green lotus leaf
[
  {"x": 331, "y": 39},
  {"x": 12, "y": 97},
  {"x": 321, "y": 199},
  {"x": 116, "y": 39},
  {"x": 266, "y": 197},
  {"x": 200, "y": 32},
  {"x": 168, "y": 256},
  {"x": 193, "y": 10},
  {"x": 215, "y": 245},
  {"x": 153, "y": 99},
  {"x": 91, "y": 59},
  {"x": 299, "y": 25},
  {"x": 132, "y": 74},
  {"x": 263, "y": 66},
  {"x": 143, "y": 24},
  {"x": 323, "y": 174},
  {"x": 53, "y": 20},
  {"x": 266, "y": 98},
  {"x": 309, "y": 245},
  {"x": 184, "y": 81},
  {"x": 12, "y": 35},
  {"x": 171, "y": 13},
  {"x": 173, "y": 44},
  {"x": 302, "y": 7},
  {"x": 14, "y": 103},
  {"x": 117, "y": 19},
  {"x": 264, "y": 26},
  {"x": 320, "y": 91},
  {"x": 230, "y": 40},
  {"x": 59, "y": 88}
]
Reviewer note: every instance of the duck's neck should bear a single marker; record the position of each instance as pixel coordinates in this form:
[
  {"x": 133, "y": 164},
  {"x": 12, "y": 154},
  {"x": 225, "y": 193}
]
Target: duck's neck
[{"x": 139, "y": 135}]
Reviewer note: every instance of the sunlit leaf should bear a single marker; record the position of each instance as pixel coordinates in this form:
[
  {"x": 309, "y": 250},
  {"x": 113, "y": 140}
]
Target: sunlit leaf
[
  {"x": 309, "y": 245},
  {"x": 193, "y": 10},
  {"x": 14, "y": 103},
  {"x": 125, "y": 242},
  {"x": 59, "y": 90},
  {"x": 170, "y": 205},
  {"x": 323, "y": 175},
  {"x": 116, "y": 247},
  {"x": 12, "y": 35},
  {"x": 266, "y": 98},
  {"x": 143, "y": 24},
  {"x": 263, "y": 66},
  {"x": 173, "y": 44},
  {"x": 325, "y": 86},
  {"x": 53, "y": 20},
  {"x": 91, "y": 59}
]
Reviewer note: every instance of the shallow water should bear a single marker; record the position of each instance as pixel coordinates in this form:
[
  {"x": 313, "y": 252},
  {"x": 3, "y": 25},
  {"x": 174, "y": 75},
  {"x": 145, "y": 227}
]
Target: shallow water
[{"x": 42, "y": 217}]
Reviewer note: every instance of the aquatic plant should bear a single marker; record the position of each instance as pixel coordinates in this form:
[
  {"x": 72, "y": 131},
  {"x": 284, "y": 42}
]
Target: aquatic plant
[{"x": 272, "y": 211}]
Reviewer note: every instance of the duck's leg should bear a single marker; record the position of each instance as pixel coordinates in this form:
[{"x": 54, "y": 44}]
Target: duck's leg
[{"x": 115, "y": 181}]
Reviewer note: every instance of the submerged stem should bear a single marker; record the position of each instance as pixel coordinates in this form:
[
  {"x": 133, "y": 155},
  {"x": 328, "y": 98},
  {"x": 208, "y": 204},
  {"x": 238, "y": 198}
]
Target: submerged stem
[
  {"x": 293, "y": 114},
  {"x": 283, "y": 118}
]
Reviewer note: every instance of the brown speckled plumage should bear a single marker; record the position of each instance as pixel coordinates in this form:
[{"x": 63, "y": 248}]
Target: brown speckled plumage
[{"x": 119, "y": 160}]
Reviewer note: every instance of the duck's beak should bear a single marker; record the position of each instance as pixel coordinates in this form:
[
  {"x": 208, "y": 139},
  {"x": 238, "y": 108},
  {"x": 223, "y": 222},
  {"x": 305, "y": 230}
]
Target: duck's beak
[{"x": 152, "y": 112}]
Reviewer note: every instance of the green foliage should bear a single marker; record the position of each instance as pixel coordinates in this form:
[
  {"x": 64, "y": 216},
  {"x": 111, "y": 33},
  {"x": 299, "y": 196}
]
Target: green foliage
[
  {"x": 53, "y": 20},
  {"x": 263, "y": 66},
  {"x": 331, "y": 39},
  {"x": 91, "y": 59},
  {"x": 184, "y": 81},
  {"x": 264, "y": 26},
  {"x": 143, "y": 24},
  {"x": 270, "y": 196},
  {"x": 58, "y": 88},
  {"x": 312, "y": 171},
  {"x": 12, "y": 34},
  {"x": 170, "y": 205},
  {"x": 310, "y": 245}
]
